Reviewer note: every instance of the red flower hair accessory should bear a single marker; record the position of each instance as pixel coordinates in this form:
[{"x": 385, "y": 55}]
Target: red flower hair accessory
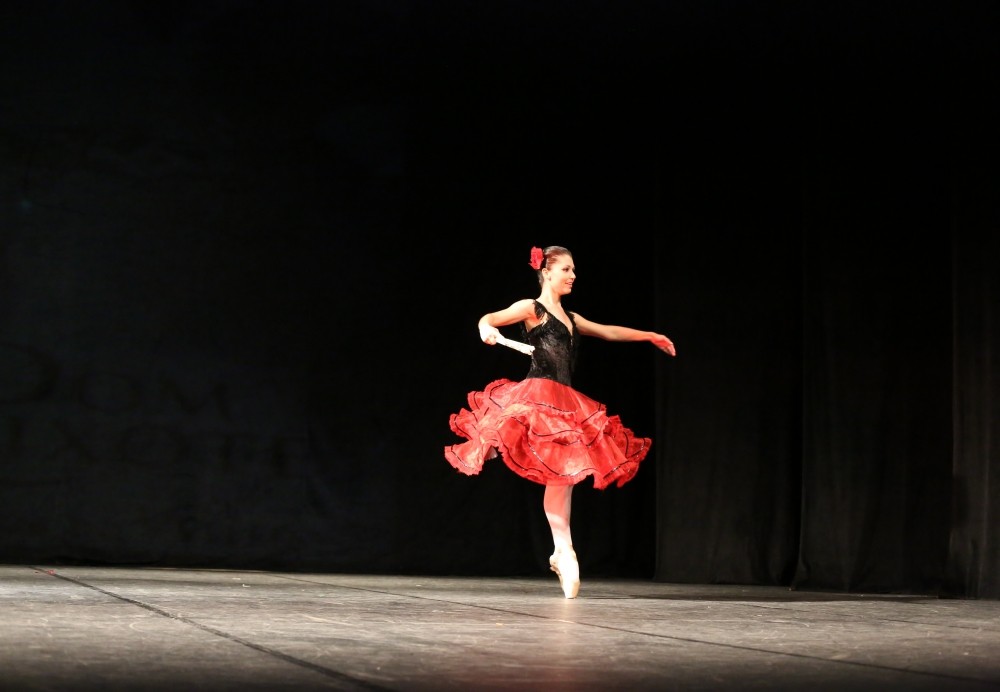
[{"x": 537, "y": 257}]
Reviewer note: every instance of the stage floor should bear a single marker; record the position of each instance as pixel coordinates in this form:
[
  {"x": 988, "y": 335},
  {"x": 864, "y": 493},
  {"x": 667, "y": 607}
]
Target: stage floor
[{"x": 83, "y": 628}]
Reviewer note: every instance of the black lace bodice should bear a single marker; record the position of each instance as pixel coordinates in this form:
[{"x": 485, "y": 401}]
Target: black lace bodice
[{"x": 555, "y": 347}]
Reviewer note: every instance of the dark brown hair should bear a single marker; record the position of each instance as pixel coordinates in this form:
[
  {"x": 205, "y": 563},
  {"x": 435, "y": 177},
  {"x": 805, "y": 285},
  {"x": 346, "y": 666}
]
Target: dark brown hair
[{"x": 548, "y": 255}]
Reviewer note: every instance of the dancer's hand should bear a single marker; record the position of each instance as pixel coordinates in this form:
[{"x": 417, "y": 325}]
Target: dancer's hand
[
  {"x": 489, "y": 334},
  {"x": 664, "y": 344}
]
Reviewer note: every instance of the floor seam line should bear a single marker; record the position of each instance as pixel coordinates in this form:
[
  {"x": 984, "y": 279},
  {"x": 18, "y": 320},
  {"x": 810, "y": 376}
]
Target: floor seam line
[{"x": 327, "y": 672}]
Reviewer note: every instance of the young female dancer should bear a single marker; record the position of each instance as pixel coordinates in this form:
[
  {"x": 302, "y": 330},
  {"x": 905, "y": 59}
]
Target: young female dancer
[{"x": 543, "y": 429}]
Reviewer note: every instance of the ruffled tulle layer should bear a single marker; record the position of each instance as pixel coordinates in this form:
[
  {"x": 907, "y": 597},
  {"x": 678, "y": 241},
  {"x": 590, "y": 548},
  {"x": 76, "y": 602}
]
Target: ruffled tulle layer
[{"x": 546, "y": 432}]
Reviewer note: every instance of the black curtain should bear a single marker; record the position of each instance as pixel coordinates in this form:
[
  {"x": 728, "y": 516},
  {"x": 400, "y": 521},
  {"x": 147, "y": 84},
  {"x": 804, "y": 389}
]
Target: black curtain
[
  {"x": 973, "y": 548},
  {"x": 848, "y": 445},
  {"x": 244, "y": 248}
]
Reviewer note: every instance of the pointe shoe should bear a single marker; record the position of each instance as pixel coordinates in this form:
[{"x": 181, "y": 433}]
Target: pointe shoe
[{"x": 563, "y": 563}]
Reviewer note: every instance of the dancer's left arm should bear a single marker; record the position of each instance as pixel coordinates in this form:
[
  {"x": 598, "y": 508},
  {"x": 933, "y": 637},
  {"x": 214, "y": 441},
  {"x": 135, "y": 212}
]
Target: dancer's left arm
[{"x": 613, "y": 332}]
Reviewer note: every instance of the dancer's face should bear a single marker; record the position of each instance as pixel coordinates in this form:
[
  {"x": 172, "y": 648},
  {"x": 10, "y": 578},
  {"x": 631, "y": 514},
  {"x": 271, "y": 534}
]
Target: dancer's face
[{"x": 562, "y": 274}]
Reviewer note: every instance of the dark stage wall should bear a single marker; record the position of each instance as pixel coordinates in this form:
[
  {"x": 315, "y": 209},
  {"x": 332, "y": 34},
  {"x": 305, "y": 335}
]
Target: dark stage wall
[{"x": 245, "y": 246}]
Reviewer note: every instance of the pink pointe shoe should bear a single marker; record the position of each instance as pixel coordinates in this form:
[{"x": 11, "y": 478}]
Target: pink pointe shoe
[{"x": 563, "y": 563}]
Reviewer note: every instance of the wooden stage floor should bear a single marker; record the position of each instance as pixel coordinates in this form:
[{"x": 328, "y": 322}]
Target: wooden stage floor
[{"x": 114, "y": 628}]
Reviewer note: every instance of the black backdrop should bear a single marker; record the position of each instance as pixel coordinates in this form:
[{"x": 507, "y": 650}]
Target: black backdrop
[{"x": 245, "y": 245}]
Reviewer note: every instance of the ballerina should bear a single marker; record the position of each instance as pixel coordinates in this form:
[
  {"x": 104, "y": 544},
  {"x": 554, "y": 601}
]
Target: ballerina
[{"x": 542, "y": 428}]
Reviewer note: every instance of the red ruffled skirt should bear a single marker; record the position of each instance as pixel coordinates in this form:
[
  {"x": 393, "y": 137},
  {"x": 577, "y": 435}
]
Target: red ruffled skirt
[{"x": 546, "y": 432}]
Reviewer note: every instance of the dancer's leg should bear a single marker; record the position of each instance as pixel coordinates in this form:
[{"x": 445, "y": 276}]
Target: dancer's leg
[{"x": 557, "y": 503}]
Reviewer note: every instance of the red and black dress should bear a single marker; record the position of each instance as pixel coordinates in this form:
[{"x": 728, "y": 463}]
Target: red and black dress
[{"x": 542, "y": 428}]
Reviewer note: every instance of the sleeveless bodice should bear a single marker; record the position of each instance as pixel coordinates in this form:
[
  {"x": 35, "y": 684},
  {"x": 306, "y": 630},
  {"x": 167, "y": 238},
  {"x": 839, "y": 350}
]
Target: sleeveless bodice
[{"x": 555, "y": 346}]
